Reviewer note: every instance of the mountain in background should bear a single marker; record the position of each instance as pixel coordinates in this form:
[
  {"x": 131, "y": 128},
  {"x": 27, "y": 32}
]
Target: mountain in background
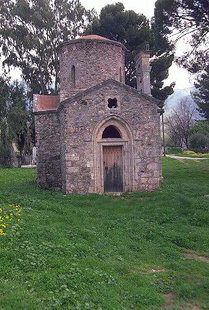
[
  {"x": 178, "y": 96},
  {"x": 181, "y": 95}
]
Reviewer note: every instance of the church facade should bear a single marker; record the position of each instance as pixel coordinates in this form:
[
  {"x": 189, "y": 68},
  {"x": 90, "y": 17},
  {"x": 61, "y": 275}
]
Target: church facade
[{"x": 99, "y": 135}]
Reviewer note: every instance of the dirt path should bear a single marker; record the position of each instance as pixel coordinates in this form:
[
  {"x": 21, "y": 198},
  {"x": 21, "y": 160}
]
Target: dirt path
[
  {"x": 197, "y": 257},
  {"x": 183, "y": 157}
]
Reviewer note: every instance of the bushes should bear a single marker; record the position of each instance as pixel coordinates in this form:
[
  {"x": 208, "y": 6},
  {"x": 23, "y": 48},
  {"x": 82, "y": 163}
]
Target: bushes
[
  {"x": 174, "y": 150},
  {"x": 4, "y": 150},
  {"x": 188, "y": 152},
  {"x": 199, "y": 142},
  {"x": 201, "y": 127}
]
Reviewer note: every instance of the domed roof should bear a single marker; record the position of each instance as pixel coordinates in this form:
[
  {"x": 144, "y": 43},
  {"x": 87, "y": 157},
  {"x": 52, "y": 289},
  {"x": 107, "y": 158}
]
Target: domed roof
[{"x": 93, "y": 37}]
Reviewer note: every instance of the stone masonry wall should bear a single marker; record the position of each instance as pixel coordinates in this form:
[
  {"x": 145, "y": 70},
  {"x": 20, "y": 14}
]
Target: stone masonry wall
[
  {"x": 48, "y": 150},
  {"x": 79, "y": 120},
  {"x": 94, "y": 61}
]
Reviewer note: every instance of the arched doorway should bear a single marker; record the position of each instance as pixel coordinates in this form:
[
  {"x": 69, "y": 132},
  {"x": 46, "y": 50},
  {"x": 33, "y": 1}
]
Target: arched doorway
[
  {"x": 112, "y": 161},
  {"x": 113, "y": 156}
]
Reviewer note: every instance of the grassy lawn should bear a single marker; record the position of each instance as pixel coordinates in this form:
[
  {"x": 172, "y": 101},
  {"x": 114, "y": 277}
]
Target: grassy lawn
[{"x": 104, "y": 252}]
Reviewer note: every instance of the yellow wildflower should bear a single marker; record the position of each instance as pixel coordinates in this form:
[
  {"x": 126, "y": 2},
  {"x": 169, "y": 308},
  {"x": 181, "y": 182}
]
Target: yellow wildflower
[{"x": 2, "y": 232}]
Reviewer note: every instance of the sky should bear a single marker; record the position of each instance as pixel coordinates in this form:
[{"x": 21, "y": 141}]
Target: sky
[
  {"x": 176, "y": 74},
  {"x": 139, "y": 6}
]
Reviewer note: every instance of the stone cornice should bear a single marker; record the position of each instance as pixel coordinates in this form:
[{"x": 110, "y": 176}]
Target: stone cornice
[
  {"x": 83, "y": 41},
  {"x": 95, "y": 88},
  {"x": 45, "y": 112}
]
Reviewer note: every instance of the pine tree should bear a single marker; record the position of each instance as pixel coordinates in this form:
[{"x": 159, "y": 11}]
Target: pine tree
[
  {"x": 186, "y": 18},
  {"x": 201, "y": 95},
  {"x": 5, "y": 143},
  {"x": 134, "y": 31},
  {"x": 18, "y": 115}
]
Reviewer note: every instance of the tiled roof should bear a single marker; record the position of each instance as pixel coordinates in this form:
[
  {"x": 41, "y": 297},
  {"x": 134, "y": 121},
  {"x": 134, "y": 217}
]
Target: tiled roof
[
  {"x": 93, "y": 37},
  {"x": 46, "y": 102}
]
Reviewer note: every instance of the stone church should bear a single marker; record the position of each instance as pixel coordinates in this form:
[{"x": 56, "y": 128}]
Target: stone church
[{"x": 99, "y": 135}]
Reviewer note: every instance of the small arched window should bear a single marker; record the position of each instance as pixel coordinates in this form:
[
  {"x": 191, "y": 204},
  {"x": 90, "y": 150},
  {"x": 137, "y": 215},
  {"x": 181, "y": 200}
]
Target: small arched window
[
  {"x": 111, "y": 132},
  {"x": 73, "y": 76},
  {"x": 112, "y": 103}
]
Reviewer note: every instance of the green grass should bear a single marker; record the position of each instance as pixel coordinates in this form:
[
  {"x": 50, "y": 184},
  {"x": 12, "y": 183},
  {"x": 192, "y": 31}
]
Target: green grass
[{"x": 98, "y": 251}]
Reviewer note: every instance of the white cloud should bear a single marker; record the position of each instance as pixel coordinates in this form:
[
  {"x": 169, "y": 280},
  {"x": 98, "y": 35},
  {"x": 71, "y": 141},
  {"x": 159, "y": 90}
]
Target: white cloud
[{"x": 180, "y": 76}]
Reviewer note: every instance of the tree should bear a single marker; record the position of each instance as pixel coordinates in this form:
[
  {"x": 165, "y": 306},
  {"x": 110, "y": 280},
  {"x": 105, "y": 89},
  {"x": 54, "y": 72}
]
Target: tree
[
  {"x": 5, "y": 144},
  {"x": 4, "y": 95},
  {"x": 187, "y": 18},
  {"x": 15, "y": 118},
  {"x": 162, "y": 60},
  {"x": 18, "y": 116},
  {"x": 134, "y": 31},
  {"x": 127, "y": 27},
  {"x": 30, "y": 32},
  {"x": 180, "y": 123},
  {"x": 201, "y": 126},
  {"x": 199, "y": 142},
  {"x": 201, "y": 95}
]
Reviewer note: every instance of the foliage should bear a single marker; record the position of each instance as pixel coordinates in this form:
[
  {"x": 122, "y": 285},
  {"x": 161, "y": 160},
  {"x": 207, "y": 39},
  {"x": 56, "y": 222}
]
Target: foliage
[
  {"x": 134, "y": 31},
  {"x": 5, "y": 148},
  {"x": 106, "y": 252},
  {"x": 5, "y": 144},
  {"x": 15, "y": 118},
  {"x": 187, "y": 18},
  {"x": 4, "y": 95},
  {"x": 201, "y": 95},
  {"x": 162, "y": 60},
  {"x": 30, "y": 32},
  {"x": 173, "y": 150},
  {"x": 127, "y": 27},
  {"x": 201, "y": 127},
  {"x": 180, "y": 123},
  {"x": 195, "y": 155},
  {"x": 188, "y": 152},
  {"x": 199, "y": 142},
  {"x": 159, "y": 72},
  {"x": 18, "y": 115}
]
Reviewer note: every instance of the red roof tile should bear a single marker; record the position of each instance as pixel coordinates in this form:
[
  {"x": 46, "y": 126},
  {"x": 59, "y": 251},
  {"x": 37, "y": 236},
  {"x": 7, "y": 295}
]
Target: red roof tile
[
  {"x": 46, "y": 102},
  {"x": 93, "y": 37}
]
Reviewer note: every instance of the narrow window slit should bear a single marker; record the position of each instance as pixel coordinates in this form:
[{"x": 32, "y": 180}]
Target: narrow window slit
[{"x": 73, "y": 76}]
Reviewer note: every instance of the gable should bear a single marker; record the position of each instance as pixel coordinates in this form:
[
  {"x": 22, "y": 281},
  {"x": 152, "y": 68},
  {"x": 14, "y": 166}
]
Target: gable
[{"x": 120, "y": 87}]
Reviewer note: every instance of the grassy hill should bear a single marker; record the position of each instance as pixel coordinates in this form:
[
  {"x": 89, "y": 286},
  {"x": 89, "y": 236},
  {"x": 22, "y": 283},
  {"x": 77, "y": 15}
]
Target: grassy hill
[{"x": 137, "y": 251}]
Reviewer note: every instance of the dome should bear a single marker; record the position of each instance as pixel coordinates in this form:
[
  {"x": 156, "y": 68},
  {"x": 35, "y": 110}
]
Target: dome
[
  {"x": 87, "y": 61},
  {"x": 93, "y": 37}
]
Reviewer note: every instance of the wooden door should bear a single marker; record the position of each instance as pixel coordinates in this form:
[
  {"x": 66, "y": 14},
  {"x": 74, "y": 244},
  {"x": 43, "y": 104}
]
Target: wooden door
[{"x": 113, "y": 168}]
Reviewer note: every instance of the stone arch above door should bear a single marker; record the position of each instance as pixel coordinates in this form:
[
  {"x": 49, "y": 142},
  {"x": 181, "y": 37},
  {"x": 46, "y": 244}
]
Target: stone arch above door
[
  {"x": 123, "y": 141},
  {"x": 118, "y": 123}
]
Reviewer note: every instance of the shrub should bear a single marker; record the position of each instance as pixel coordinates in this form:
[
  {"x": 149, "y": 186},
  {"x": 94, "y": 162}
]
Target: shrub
[
  {"x": 199, "y": 142},
  {"x": 201, "y": 127},
  {"x": 189, "y": 153},
  {"x": 174, "y": 150},
  {"x": 5, "y": 150}
]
